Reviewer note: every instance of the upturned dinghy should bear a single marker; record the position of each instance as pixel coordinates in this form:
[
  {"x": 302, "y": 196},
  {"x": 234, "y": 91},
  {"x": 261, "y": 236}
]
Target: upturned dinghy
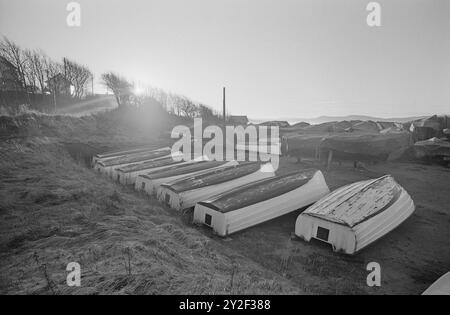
[
  {"x": 186, "y": 192},
  {"x": 113, "y": 154},
  {"x": 151, "y": 181},
  {"x": 263, "y": 146},
  {"x": 440, "y": 287},
  {"x": 127, "y": 175},
  {"x": 109, "y": 165},
  {"x": 114, "y": 172},
  {"x": 356, "y": 215},
  {"x": 261, "y": 201}
]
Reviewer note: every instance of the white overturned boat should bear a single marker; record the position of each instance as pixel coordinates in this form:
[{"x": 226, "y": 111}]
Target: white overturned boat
[
  {"x": 261, "y": 201},
  {"x": 440, "y": 287},
  {"x": 127, "y": 175},
  {"x": 112, "y": 154},
  {"x": 108, "y": 165},
  {"x": 356, "y": 215},
  {"x": 264, "y": 146},
  {"x": 186, "y": 192},
  {"x": 151, "y": 181}
]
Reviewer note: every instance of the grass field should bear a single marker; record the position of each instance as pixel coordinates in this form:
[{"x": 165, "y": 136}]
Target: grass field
[{"x": 54, "y": 210}]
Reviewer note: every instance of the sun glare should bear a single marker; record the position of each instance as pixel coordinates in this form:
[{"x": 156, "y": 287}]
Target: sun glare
[{"x": 138, "y": 90}]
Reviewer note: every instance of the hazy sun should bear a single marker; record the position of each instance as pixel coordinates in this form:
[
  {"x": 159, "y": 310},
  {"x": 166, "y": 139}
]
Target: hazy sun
[{"x": 138, "y": 90}]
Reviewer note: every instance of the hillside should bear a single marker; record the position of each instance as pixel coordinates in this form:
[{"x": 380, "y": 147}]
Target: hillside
[
  {"x": 89, "y": 106},
  {"x": 54, "y": 210},
  {"x": 325, "y": 119}
]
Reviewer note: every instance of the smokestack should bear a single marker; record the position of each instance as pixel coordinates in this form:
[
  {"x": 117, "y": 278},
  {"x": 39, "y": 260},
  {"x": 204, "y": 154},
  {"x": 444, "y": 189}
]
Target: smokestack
[{"x": 224, "y": 111}]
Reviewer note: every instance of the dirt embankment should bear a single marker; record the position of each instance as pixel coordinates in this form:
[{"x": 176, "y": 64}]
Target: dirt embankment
[
  {"x": 97, "y": 129},
  {"x": 53, "y": 211}
]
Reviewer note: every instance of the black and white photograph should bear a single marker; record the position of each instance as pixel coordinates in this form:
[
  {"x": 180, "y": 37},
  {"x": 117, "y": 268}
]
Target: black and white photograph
[{"x": 228, "y": 155}]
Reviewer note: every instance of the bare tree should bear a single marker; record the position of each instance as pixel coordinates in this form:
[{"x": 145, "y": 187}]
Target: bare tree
[
  {"x": 206, "y": 112},
  {"x": 36, "y": 68},
  {"x": 29, "y": 73},
  {"x": 188, "y": 109},
  {"x": 77, "y": 75},
  {"x": 121, "y": 88},
  {"x": 16, "y": 57},
  {"x": 177, "y": 105},
  {"x": 52, "y": 68},
  {"x": 9, "y": 80}
]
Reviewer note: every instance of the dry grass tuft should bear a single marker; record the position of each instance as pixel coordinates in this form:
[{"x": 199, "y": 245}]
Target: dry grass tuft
[{"x": 54, "y": 211}]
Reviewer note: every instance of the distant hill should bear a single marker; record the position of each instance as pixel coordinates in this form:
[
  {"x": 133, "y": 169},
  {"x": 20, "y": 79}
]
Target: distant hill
[{"x": 324, "y": 119}]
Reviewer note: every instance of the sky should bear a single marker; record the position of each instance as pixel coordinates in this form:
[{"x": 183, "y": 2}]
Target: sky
[{"x": 276, "y": 58}]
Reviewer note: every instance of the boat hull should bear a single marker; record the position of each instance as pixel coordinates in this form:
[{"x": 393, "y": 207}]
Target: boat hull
[
  {"x": 440, "y": 287},
  {"x": 115, "y": 154},
  {"x": 151, "y": 186},
  {"x": 352, "y": 238},
  {"x": 227, "y": 223},
  {"x": 189, "y": 198}
]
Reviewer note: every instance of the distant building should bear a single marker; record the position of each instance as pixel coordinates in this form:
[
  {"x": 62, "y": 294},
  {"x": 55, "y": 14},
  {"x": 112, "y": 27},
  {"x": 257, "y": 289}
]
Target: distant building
[
  {"x": 9, "y": 81},
  {"x": 238, "y": 120},
  {"x": 60, "y": 84}
]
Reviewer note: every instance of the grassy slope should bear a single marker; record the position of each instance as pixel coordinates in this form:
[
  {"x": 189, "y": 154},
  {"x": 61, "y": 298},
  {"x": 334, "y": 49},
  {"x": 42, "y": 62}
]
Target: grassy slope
[{"x": 54, "y": 210}]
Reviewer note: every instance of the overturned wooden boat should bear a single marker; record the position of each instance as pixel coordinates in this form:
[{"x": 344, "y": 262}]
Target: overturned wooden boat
[
  {"x": 123, "y": 154},
  {"x": 440, "y": 287},
  {"x": 113, "y": 154},
  {"x": 356, "y": 215},
  {"x": 433, "y": 150},
  {"x": 263, "y": 146},
  {"x": 186, "y": 192},
  {"x": 261, "y": 201},
  {"x": 151, "y": 181},
  {"x": 128, "y": 174},
  {"x": 365, "y": 146},
  {"x": 108, "y": 166}
]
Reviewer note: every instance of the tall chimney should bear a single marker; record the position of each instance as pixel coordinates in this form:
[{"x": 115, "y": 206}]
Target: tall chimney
[{"x": 224, "y": 111}]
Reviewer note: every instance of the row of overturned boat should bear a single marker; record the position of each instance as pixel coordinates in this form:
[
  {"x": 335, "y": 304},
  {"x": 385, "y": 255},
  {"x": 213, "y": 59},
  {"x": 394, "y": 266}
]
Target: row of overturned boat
[{"x": 231, "y": 196}]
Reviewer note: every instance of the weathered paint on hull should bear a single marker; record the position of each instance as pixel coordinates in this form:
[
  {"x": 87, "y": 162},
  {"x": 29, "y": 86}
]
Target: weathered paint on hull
[
  {"x": 230, "y": 222},
  {"x": 151, "y": 186},
  {"x": 188, "y": 199},
  {"x": 351, "y": 238},
  {"x": 111, "y": 155}
]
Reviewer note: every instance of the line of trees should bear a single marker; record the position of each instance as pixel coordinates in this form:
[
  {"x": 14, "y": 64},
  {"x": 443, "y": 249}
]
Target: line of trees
[
  {"x": 33, "y": 72},
  {"x": 126, "y": 94}
]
